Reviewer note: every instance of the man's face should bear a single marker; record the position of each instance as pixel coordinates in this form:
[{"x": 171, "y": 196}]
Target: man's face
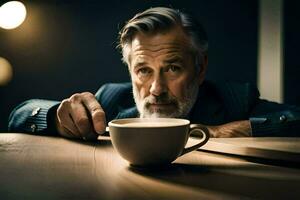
[{"x": 164, "y": 78}]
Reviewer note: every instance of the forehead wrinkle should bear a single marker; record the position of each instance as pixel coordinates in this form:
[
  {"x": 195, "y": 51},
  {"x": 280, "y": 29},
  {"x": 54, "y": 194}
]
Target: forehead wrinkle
[
  {"x": 170, "y": 56},
  {"x": 144, "y": 53},
  {"x": 139, "y": 60},
  {"x": 156, "y": 48},
  {"x": 174, "y": 58}
]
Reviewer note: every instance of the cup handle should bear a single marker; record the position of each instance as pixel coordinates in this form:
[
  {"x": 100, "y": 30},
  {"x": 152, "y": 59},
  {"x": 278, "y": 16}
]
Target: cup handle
[{"x": 197, "y": 129}]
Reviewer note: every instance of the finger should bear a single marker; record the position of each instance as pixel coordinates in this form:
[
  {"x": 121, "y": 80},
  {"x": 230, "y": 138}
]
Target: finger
[
  {"x": 68, "y": 134},
  {"x": 80, "y": 118},
  {"x": 96, "y": 112},
  {"x": 65, "y": 121}
]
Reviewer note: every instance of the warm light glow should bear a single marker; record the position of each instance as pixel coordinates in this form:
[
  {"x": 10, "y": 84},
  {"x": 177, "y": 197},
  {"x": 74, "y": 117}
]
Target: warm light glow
[
  {"x": 5, "y": 71},
  {"x": 12, "y": 14}
]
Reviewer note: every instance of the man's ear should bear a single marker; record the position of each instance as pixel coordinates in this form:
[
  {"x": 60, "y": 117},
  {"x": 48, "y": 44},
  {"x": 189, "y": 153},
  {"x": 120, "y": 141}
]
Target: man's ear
[{"x": 203, "y": 67}]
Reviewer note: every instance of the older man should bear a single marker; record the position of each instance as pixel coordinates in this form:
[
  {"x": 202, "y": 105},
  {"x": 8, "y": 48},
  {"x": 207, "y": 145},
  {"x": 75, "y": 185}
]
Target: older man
[{"x": 166, "y": 54}]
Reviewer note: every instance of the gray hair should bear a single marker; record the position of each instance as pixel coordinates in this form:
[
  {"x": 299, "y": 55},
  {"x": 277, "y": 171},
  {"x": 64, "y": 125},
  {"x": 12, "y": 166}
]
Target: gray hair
[{"x": 161, "y": 19}]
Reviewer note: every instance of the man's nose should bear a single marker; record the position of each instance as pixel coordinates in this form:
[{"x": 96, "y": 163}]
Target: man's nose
[{"x": 158, "y": 86}]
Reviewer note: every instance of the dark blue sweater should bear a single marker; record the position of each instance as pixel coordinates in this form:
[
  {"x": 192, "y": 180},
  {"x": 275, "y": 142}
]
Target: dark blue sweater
[{"x": 217, "y": 103}]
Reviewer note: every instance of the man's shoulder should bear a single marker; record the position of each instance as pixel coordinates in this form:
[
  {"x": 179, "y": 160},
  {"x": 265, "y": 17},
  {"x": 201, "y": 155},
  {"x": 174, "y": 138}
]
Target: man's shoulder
[
  {"x": 236, "y": 97},
  {"x": 233, "y": 88}
]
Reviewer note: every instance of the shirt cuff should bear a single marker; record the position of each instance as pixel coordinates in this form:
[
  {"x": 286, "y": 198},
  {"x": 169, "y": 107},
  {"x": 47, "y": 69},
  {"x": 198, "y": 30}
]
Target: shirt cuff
[{"x": 279, "y": 124}]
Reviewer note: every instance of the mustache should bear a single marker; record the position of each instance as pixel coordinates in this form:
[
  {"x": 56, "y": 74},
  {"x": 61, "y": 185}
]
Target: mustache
[{"x": 161, "y": 99}]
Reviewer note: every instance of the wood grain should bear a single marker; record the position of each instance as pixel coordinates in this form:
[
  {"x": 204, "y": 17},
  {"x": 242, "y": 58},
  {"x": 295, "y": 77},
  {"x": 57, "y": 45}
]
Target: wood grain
[{"x": 41, "y": 167}]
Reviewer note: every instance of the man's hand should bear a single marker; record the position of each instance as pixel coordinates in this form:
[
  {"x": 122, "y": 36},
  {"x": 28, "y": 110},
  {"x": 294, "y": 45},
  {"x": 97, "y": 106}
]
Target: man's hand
[
  {"x": 80, "y": 116},
  {"x": 232, "y": 129}
]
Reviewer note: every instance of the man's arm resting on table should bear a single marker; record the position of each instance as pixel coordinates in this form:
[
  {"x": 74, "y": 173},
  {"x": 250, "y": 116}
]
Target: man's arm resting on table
[
  {"x": 284, "y": 123},
  {"x": 270, "y": 119},
  {"x": 232, "y": 129},
  {"x": 275, "y": 120},
  {"x": 78, "y": 117},
  {"x": 267, "y": 119},
  {"x": 32, "y": 116},
  {"x": 40, "y": 116}
]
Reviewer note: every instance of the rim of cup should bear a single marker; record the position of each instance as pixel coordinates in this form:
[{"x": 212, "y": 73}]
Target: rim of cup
[{"x": 123, "y": 123}]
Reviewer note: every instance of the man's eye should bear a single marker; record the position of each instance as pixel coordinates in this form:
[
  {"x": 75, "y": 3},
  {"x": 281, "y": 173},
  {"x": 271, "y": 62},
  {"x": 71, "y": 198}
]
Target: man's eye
[
  {"x": 174, "y": 68},
  {"x": 144, "y": 71}
]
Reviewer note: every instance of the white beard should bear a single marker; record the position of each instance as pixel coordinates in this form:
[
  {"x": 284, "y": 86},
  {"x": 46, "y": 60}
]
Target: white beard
[{"x": 183, "y": 107}]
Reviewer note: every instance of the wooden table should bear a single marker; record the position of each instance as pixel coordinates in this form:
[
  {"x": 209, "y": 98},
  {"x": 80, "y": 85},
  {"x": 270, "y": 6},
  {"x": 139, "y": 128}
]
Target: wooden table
[{"x": 41, "y": 167}]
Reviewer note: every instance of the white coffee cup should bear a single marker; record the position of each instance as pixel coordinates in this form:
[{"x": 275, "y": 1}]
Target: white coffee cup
[{"x": 154, "y": 141}]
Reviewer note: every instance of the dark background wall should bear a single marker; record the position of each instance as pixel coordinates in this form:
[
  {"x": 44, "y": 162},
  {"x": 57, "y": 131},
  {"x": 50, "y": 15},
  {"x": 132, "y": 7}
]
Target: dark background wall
[
  {"x": 291, "y": 52},
  {"x": 65, "y": 47}
]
